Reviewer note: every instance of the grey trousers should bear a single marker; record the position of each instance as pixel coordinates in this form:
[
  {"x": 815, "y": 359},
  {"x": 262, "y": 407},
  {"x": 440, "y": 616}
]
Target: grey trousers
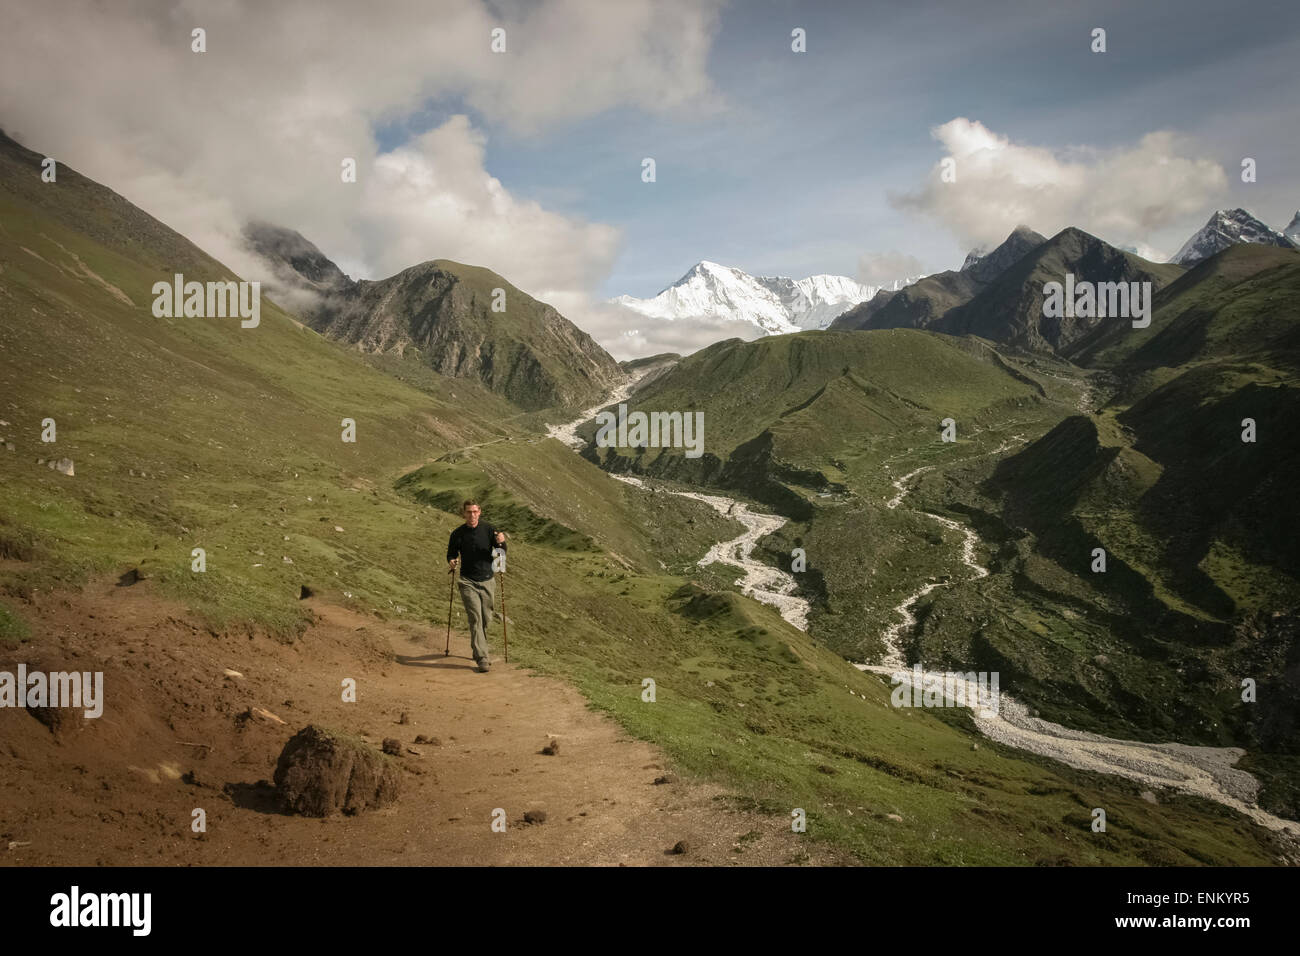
[{"x": 480, "y": 601}]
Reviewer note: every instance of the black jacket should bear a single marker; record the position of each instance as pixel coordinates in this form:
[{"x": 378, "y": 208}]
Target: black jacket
[{"x": 474, "y": 548}]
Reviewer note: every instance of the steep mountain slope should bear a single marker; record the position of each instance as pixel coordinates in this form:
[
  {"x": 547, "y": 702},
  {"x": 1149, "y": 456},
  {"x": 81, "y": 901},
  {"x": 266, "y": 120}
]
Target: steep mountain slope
[
  {"x": 774, "y": 303},
  {"x": 1010, "y": 308},
  {"x": 921, "y": 304},
  {"x": 1202, "y": 582},
  {"x": 1225, "y": 228},
  {"x": 446, "y": 315},
  {"x": 1237, "y": 302}
]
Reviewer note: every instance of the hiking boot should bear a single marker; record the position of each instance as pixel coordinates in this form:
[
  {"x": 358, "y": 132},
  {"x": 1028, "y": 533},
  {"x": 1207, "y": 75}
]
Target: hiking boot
[{"x": 483, "y": 666}]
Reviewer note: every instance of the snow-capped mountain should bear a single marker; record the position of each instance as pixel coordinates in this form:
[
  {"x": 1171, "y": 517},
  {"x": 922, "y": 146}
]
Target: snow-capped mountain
[
  {"x": 774, "y": 303},
  {"x": 1227, "y": 227},
  {"x": 1292, "y": 231}
]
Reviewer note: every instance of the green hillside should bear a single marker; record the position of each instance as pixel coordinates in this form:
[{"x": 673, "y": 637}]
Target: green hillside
[
  {"x": 1200, "y": 587},
  {"x": 194, "y": 432},
  {"x": 1239, "y": 302}
]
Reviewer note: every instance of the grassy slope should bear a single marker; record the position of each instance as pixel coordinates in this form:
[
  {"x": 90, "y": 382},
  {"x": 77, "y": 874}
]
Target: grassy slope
[
  {"x": 1203, "y": 577},
  {"x": 1198, "y": 584},
  {"x": 845, "y": 414},
  {"x": 215, "y": 417}
]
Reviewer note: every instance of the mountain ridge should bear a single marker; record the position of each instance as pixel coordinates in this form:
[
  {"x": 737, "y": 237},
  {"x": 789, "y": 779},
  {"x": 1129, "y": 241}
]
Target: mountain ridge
[
  {"x": 460, "y": 320},
  {"x": 1227, "y": 227}
]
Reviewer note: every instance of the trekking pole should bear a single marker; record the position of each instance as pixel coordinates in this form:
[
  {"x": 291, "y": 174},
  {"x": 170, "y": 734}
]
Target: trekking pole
[
  {"x": 505, "y": 634},
  {"x": 451, "y": 603}
]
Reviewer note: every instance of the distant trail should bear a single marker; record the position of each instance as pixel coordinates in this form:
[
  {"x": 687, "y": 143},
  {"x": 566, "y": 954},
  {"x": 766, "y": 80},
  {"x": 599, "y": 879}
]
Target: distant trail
[{"x": 1203, "y": 771}]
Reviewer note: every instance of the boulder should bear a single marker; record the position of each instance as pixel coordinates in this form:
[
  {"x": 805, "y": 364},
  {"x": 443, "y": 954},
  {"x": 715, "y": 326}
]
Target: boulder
[{"x": 321, "y": 772}]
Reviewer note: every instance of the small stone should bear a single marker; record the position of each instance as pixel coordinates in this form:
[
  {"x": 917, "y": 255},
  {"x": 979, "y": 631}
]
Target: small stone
[
  {"x": 681, "y": 847},
  {"x": 666, "y": 778},
  {"x": 894, "y": 816},
  {"x": 552, "y": 748},
  {"x": 229, "y": 673},
  {"x": 974, "y": 746},
  {"x": 430, "y": 741},
  {"x": 535, "y": 816},
  {"x": 288, "y": 560},
  {"x": 392, "y": 746},
  {"x": 405, "y": 718},
  {"x": 1148, "y": 796},
  {"x": 337, "y": 528}
]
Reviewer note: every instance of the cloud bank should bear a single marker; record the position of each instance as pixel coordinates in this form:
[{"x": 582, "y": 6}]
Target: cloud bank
[
  {"x": 1122, "y": 195},
  {"x": 258, "y": 126}
]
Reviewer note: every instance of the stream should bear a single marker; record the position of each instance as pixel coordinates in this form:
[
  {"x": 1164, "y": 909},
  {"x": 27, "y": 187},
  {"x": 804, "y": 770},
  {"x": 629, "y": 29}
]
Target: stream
[{"x": 1204, "y": 771}]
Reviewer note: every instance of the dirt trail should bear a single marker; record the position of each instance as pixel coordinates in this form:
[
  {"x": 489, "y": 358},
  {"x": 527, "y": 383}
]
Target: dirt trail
[{"x": 121, "y": 789}]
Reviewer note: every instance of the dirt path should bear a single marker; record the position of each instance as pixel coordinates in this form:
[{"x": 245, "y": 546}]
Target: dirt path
[{"x": 175, "y": 736}]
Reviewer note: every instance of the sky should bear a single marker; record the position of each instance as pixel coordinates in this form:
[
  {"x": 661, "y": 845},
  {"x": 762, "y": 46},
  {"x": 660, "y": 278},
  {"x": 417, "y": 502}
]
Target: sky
[{"x": 529, "y": 161}]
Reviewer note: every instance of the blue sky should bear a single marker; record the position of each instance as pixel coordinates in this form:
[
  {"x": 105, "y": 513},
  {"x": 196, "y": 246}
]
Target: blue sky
[{"x": 791, "y": 173}]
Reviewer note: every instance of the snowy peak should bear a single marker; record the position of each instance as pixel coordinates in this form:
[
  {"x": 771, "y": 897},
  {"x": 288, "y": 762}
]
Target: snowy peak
[
  {"x": 1292, "y": 231},
  {"x": 1228, "y": 227},
  {"x": 775, "y": 304}
]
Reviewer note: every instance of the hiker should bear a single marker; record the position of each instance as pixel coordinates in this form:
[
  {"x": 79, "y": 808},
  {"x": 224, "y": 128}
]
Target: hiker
[{"x": 472, "y": 543}]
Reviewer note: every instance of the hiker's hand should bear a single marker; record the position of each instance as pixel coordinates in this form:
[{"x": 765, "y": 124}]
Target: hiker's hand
[
  {"x": 501, "y": 538},
  {"x": 451, "y": 565}
]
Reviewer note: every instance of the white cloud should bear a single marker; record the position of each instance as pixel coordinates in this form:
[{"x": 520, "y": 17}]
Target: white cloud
[
  {"x": 626, "y": 334},
  {"x": 257, "y": 126},
  {"x": 879, "y": 268},
  {"x": 1122, "y": 195}
]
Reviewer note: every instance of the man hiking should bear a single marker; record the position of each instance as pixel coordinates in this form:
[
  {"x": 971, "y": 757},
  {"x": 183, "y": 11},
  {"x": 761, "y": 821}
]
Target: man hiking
[{"x": 472, "y": 543}]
